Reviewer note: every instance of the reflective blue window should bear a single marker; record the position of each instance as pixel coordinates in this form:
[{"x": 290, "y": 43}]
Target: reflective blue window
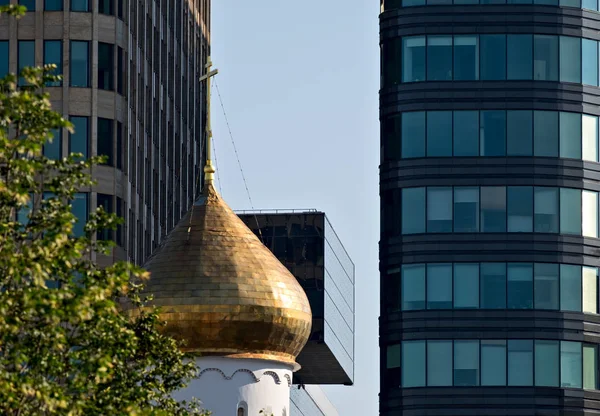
[
  {"x": 570, "y": 3},
  {"x": 106, "y": 7},
  {"x": 413, "y": 210},
  {"x": 466, "y": 209},
  {"x": 413, "y": 287},
  {"x": 545, "y": 126},
  {"x": 570, "y": 135},
  {"x": 3, "y": 58},
  {"x": 570, "y": 364},
  {"x": 79, "y": 139},
  {"x": 80, "y": 6},
  {"x": 466, "y": 133},
  {"x": 570, "y": 288},
  {"x": 80, "y": 210},
  {"x": 590, "y": 4},
  {"x": 466, "y": 363},
  {"x": 53, "y": 5},
  {"x": 439, "y": 133},
  {"x": 519, "y": 132},
  {"x": 53, "y": 55},
  {"x": 439, "y": 58},
  {"x": 589, "y": 137},
  {"x": 546, "y": 2},
  {"x": 545, "y": 58},
  {"x": 546, "y": 210},
  {"x": 589, "y": 277},
  {"x": 52, "y": 149},
  {"x": 493, "y": 133},
  {"x": 589, "y": 66},
  {"x": 519, "y": 56},
  {"x": 80, "y": 63},
  {"x": 546, "y": 286},
  {"x": 493, "y": 209},
  {"x": 520, "y": 362},
  {"x": 413, "y": 134},
  {"x": 30, "y": 4},
  {"x": 439, "y": 363},
  {"x": 466, "y": 58},
  {"x": 570, "y": 59},
  {"x": 106, "y": 140},
  {"x": 493, "y": 57},
  {"x": 26, "y": 57},
  {"x": 439, "y": 286},
  {"x": 546, "y": 363},
  {"x": 466, "y": 285},
  {"x": 413, "y": 58},
  {"x": 520, "y": 286},
  {"x": 520, "y": 209},
  {"x": 570, "y": 211},
  {"x": 439, "y": 210},
  {"x": 493, "y": 285},
  {"x": 106, "y": 62},
  {"x": 493, "y": 363},
  {"x": 413, "y": 363},
  {"x": 409, "y": 3}
]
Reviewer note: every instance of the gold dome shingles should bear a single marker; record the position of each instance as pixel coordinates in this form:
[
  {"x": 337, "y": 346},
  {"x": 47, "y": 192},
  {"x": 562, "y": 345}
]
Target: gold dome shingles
[{"x": 223, "y": 292}]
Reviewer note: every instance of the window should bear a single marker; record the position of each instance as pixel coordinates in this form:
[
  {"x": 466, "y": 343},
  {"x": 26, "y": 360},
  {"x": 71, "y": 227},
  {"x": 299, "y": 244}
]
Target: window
[
  {"x": 79, "y": 208},
  {"x": 546, "y": 287},
  {"x": 439, "y": 286},
  {"x": 466, "y": 133},
  {"x": 545, "y": 126},
  {"x": 589, "y": 66},
  {"x": 520, "y": 286},
  {"x": 546, "y": 210},
  {"x": 466, "y": 363},
  {"x": 520, "y": 209},
  {"x": 493, "y": 133},
  {"x": 106, "y": 7},
  {"x": 413, "y": 210},
  {"x": 121, "y": 74},
  {"x": 493, "y": 57},
  {"x": 26, "y": 56},
  {"x": 466, "y": 58},
  {"x": 466, "y": 286},
  {"x": 439, "y": 363},
  {"x": 392, "y": 137},
  {"x": 570, "y": 364},
  {"x": 493, "y": 285},
  {"x": 409, "y": 3},
  {"x": 546, "y": 363},
  {"x": 52, "y": 149},
  {"x": 493, "y": 363},
  {"x": 439, "y": 133},
  {"x": 570, "y": 59},
  {"x": 590, "y": 289},
  {"x": 589, "y": 125},
  {"x": 241, "y": 411},
  {"x": 53, "y": 55},
  {"x": 589, "y": 208},
  {"x": 3, "y": 58},
  {"x": 106, "y": 202},
  {"x": 413, "y": 363},
  {"x": 520, "y": 362},
  {"x": 393, "y": 356},
  {"x": 413, "y": 287},
  {"x": 413, "y": 57},
  {"x": 105, "y": 66},
  {"x": 106, "y": 140},
  {"x": 519, "y": 133},
  {"x": 493, "y": 209},
  {"x": 30, "y": 4},
  {"x": 570, "y": 288},
  {"x": 570, "y": 211},
  {"x": 590, "y": 4},
  {"x": 80, "y": 65},
  {"x": 439, "y": 58},
  {"x": 53, "y": 5},
  {"x": 119, "y": 161},
  {"x": 545, "y": 58},
  {"x": 519, "y": 56},
  {"x": 570, "y": 135},
  {"x": 439, "y": 210},
  {"x": 466, "y": 210},
  {"x": 590, "y": 366},
  {"x": 393, "y": 374},
  {"x": 80, "y": 6},
  {"x": 413, "y": 134},
  {"x": 79, "y": 139}
]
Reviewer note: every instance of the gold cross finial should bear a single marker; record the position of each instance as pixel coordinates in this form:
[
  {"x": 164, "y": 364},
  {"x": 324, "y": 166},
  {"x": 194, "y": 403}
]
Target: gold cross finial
[{"x": 209, "y": 170}]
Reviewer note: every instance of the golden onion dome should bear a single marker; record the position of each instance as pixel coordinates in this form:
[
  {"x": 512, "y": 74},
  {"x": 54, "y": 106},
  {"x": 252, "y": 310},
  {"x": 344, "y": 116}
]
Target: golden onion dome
[{"x": 223, "y": 292}]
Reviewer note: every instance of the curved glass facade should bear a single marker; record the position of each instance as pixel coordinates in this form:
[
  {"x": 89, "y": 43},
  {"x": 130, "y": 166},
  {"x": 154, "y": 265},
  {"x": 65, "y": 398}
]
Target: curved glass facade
[{"x": 579, "y": 4}]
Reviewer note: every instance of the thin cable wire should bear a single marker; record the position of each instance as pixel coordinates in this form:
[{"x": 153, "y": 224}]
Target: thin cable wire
[
  {"x": 214, "y": 149},
  {"x": 237, "y": 156}
]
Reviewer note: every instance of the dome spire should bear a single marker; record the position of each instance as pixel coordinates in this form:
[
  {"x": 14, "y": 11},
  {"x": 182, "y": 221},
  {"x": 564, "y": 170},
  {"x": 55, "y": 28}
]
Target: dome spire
[{"x": 209, "y": 170}]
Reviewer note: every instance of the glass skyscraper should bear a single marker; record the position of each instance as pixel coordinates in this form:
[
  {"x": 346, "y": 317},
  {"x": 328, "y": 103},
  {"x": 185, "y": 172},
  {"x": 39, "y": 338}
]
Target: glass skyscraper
[{"x": 489, "y": 184}]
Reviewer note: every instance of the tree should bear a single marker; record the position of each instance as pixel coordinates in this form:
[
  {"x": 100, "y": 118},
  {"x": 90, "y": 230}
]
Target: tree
[{"x": 66, "y": 348}]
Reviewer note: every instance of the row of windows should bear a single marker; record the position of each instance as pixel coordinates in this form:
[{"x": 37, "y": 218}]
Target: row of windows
[
  {"x": 80, "y": 58},
  {"x": 491, "y": 133},
  {"x": 490, "y": 58},
  {"x": 495, "y": 362},
  {"x": 580, "y": 4},
  {"x": 546, "y": 286},
  {"x": 104, "y": 6},
  {"x": 497, "y": 209}
]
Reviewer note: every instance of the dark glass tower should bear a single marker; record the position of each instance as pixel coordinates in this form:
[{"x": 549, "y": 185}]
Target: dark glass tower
[{"x": 489, "y": 184}]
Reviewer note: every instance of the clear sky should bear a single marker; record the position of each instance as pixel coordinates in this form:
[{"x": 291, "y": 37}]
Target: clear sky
[{"x": 300, "y": 80}]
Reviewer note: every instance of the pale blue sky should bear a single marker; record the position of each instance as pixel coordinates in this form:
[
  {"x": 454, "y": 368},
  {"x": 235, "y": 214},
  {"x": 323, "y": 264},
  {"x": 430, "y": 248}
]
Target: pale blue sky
[{"x": 299, "y": 80}]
